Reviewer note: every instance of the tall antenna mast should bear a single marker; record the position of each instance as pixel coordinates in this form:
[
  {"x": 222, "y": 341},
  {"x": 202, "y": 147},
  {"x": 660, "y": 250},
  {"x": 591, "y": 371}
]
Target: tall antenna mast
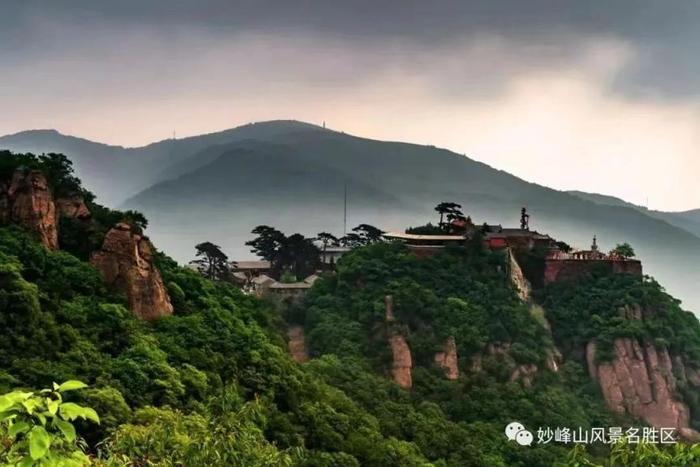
[{"x": 345, "y": 210}]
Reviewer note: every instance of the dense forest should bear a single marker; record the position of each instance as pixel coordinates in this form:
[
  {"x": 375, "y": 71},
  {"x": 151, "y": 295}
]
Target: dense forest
[{"x": 213, "y": 384}]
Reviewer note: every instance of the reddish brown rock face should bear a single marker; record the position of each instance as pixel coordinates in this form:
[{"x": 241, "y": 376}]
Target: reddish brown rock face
[
  {"x": 126, "y": 264},
  {"x": 73, "y": 207},
  {"x": 447, "y": 359},
  {"x": 556, "y": 270},
  {"x": 297, "y": 344},
  {"x": 27, "y": 201},
  {"x": 640, "y": 381},
  {"x": 520, "y": 283},
  {"x": 402, "y": 363}
]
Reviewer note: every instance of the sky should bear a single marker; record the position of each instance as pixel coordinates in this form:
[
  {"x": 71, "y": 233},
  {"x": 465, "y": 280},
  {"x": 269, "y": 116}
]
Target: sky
[{"x": 591, "y": 95}]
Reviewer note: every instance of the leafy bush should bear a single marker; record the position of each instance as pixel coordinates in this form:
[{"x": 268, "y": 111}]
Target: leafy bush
[{"x": 37, "y": 429}]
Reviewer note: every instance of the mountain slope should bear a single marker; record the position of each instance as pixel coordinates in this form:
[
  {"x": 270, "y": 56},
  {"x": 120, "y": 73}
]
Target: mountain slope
[
  {"x": 115, "y": 173},
  {"x": 391, "y": 185},
  {"x": 687, "y": 220}
]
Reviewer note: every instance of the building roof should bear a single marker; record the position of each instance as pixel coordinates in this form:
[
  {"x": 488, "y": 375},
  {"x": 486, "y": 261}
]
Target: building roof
[
  {"x": 405, "y": 236},
  {"x": 518, "y": 233},
  {"x": 336, "y": 249},
  {"x": 243, "y": 265},
  {"x": 291, "y": 285},
  {"x": 240, "y": 276},
  {"x": 311, "y": 279},
  {"x": 262, "y": 279}
]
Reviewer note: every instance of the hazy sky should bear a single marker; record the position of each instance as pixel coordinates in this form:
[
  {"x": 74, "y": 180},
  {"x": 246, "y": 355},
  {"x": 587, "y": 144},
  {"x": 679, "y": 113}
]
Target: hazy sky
[{"x": 594, "y": 95}]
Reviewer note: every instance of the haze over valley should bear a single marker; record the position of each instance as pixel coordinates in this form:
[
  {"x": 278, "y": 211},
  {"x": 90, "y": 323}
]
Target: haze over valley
[{"x": 294, "y": 176}]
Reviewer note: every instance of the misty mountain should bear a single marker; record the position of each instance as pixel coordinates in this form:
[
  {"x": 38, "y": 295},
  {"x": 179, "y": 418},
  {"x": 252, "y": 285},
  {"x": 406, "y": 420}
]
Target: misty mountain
[
  {"x": 687, "y": 220},
  {"x": 114, "y": 172},
  {"x": 297, "y": 177},
  {"x": 295, "y": 181}
]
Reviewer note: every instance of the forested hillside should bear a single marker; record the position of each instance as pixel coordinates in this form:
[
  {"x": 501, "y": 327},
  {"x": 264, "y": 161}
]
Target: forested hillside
[{"x": 213, "y": 384}]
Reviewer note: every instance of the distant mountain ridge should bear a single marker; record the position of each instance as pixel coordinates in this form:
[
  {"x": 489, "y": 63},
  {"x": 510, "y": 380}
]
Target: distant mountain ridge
[
  {"x": 116, "y": 172},
  {"x": 687, "y": 220},
  {"x": 295, "y": 176}
]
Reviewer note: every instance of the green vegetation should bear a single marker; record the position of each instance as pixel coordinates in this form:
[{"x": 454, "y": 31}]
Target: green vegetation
[
  {"x": 605, "y": 307},
  {"x": 639, "y": 455},
  {"x": 211, "y": 261},
  {"x": 37, "y": 428},
  {"x": 463, "y": 293},
  {"x": 623, "y": 250},
  {"x": 293, "y": 253},
  {"x": 213, "y": 384}
]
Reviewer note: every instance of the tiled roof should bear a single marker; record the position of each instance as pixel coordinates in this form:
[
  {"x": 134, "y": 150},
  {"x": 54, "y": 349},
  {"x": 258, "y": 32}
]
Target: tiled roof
[
  {"x": 240, "y": 265},
  {"x": 405, "y": 236}
]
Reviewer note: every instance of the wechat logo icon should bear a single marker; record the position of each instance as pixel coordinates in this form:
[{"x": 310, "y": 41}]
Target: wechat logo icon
[{"x": 515, "y": 431}]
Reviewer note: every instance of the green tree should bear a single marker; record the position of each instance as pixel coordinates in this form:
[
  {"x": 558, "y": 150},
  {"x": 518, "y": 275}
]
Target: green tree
[
  {"x": 299, "y": 255},
  {"x": 623, "y": 250},
  {"x": 351, "y": 240},
  {"x": 267, "y": 242},
  {"x": 327, "y": 239},
  {"x": 447, "y": 209},
  {"x": 295, "y": 253},
  {"x": 212, "y": 262},
  {"x": 368, "y": 234}
]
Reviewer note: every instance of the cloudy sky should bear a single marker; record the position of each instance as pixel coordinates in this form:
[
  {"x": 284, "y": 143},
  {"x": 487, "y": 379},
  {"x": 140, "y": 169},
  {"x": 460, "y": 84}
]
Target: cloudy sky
[{"x": 593, "y": 95}]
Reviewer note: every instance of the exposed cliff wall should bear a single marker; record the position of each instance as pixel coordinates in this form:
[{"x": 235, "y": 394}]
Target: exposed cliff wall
[
  {"x": 521, "y": 284},
  {"x": 572, "y": 269},
  {"x": 447, "y": 359},
  {"x": 640, "y": 381},
  {"x": 73, "y": 207},
  {"x": 525, "y": 373},
  {"x": 126, "y": 264},
  {"x": 297, "y": 344},
  {"x": 27, "y": 201},
  {"x": 402, "y": 363}
]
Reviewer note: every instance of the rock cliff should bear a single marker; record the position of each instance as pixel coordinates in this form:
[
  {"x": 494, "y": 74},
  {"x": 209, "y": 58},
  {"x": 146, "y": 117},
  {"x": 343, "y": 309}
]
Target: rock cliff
[
  {"x": 27, "y": 201},
  {"x": 641, "y": 381},
  {"x": 402, "y": 363},
  {"x": 517, "y": 277},
  {"x": 73, "y": 207},
  {"x": 297, "y": 344},
  {"x": 447, "y": 359},
  {"x": 126, "y": 264}
]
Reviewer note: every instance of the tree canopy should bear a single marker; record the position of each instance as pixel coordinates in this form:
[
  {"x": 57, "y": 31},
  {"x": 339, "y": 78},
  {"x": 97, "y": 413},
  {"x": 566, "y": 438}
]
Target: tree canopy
[
  {"x": 212, "y": 262},
  {"x": 623, "y": 250}
]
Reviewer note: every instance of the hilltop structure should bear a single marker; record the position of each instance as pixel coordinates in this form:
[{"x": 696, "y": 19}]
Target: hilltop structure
[{"x": 559, "y": 265}]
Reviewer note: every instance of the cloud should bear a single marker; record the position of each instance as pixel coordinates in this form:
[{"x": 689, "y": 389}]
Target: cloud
[
  {"x": 664, "y": 32},
  {"x": 567, "y": 94}
]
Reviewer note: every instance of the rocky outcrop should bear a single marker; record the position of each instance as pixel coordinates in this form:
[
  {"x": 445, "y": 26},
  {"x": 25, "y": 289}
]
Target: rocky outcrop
[
  {"x": 447, "y": 359},
  {"x": 27, "y": 201},
  {"x": 402, "y": 363},
  {"x": 297, "y": 344},
  {"x": 525, "y": 373},
  {"x": 126, "y": 264},
  {"x": 640, "y": 381},
  {"x": 517, "y": 277},
  {"x": 522, "y": 372},
  {"x": 73, "y": 207}
]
